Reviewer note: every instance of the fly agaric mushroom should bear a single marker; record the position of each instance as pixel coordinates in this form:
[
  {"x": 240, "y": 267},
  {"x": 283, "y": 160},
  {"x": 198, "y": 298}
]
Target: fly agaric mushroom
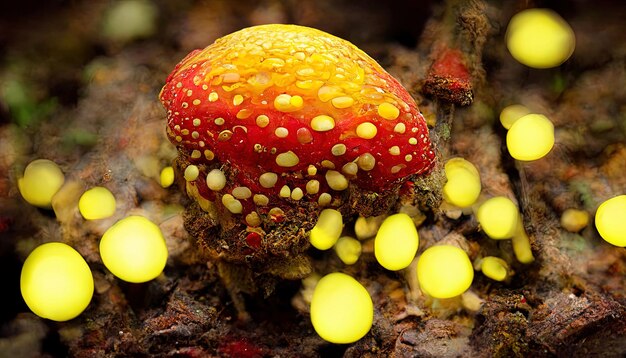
[{"x": 281, "y": 121}]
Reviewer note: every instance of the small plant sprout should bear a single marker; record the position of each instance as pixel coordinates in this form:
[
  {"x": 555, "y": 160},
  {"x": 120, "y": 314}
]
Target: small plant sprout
[
  {"x": 167, "y": 177},
  {"x": 530, "y": 137},
  {"x": 96, "y": 203},
  {"x": 348, "y": 249},
  {"x": 41, "y": 180},
  {"x": 327, "y": 230},
  {"x": 463, "y": 185},
  {"x": 540, "y": 38},
  {"x": 611, "y": 220},
  {"x": 498, "y": 217},
  {"x": 444, "y": 271},
  {"x": 512, "y": 113},
  {"x": 396, "y": 242},
  {"x": 134, "y": 249},
  {"x": 56, "y": 282},
  {"x": 495, "y": 268},
  {"x": 342, "y": 310}
]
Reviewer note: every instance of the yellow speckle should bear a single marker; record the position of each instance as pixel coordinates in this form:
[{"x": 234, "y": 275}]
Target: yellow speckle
[
  {"x": 412, "y": 141},
  {"x": 324, "y": 199},
  {"x": 342, "y": 102},
  {"x": 312, "y": 186},
  {"x": 396, "y": 242},
  {"x": 444, "y": 271},
  {"x": 96, "y": 203},
  {"x": 296, "y": 101},
  {"x": 395, "y": 150},
  {"x": 311, "y": 170},
  {"x": 268, "y": 180},
  {"x": 348, "y": 249},
  {"x": 281, "y": 132},
  {"x": 498, "y": 217},
  {"x": 322, "y": 123},
  {"x": 195, "y": 154},
  {"x": 610, "y": 220},
  {"x": 42, "y": 179},
  {"x": 196, "y": 102},
  {"x": 196, "y": 122},
  {"x": 336, "y": 180},
  {"x": 366, "y": 161},
  {"x": 134, "y": 249},
  {"x": 213, "y": 96},
  {"x": 237, "y": 100},
  {"x": 253, "y": 219},
  {"x": 400, "y": 128},
  {"x": 242, "y": 192},
  {"x": 341, "y": 309},
  {"x": 208, "y": 154},
  {"x": 366, "y": 130},
  {"x": 530, "y": 137},
  {"x": 262, "y": 121},
  {"x": 191, "y": 173},
  {"x": 260, "y": 199},
  {"x": 297, "y": 194},
  {"x": 244, "y": 113},
  {"x": 288, "y": 159},
  {"x": 327, "y": 230},
  {"x": 233, "y": 205},
  {"x": 216, "y": 180},
  {"x": 219, "y": 121},
  {"x": 284, "y": 192},
  {"x": 56, "y": 282},
  {"x": 350, "y": 168},
  {"x": 388, "y": 111},
  {"x": 326, "y": 93},
  {"x": 287, "y": 103},
  {"x": 338, "y": 149},
  {"x": 167, "y": 177}
]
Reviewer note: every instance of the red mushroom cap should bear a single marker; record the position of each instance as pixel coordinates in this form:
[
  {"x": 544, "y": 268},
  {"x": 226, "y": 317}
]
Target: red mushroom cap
[{"x": 296, "y": 113}]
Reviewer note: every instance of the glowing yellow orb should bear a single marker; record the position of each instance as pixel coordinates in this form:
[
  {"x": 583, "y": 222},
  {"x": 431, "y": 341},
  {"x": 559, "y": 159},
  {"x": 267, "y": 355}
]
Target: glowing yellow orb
[
  {"x": 348, "y": 249},
  {"x": 444, "y": 271},
  {"x": 42, "y": 179},
  {"x": 341, "y": 309},
  {"x": 540, "y": 38},
  {"x": 530, "y": 137},
  {"x": 512, "y": 113},
  {"x": 396, "y": 242},
  {"x": 167, "y": 177},
  {"x": 327, "y": 230},
  {"x": 611, "y": 220},
  {"x": 463, "y": 185},
  {"x": 494, "y": 267},
  {"x": 56, "y": 282},
  {"x": 96, "y": 203},
  {"x": 134, "y": 249},
  {"x": 498, "y": 217}
]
